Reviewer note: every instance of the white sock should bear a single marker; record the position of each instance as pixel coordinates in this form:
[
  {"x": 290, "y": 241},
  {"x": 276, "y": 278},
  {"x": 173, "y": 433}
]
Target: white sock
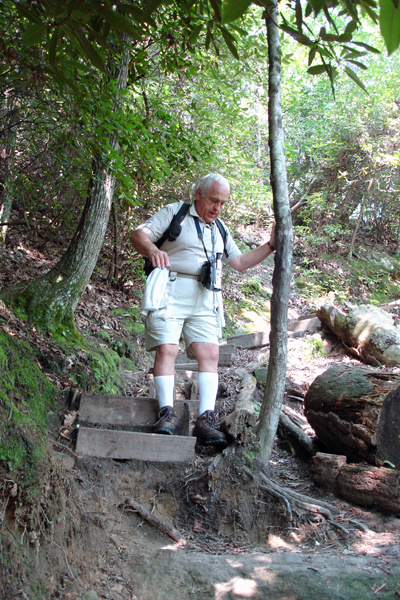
[
  {"x": 208, "y": 388},
  {"x": 164, "y": 385}
]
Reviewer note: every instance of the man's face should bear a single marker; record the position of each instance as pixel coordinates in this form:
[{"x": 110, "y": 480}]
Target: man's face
[{"x": 210, "y": 205}]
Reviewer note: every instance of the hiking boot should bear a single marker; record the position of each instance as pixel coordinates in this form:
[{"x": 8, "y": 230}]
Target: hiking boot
[
  {"x": 207, "y": 432},
  {"x": 166, "y": 421}
]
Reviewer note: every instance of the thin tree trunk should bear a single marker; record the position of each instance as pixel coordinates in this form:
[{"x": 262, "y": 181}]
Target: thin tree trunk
[
  {"x": 360, "y": 216},
  {"x": 398, "y": 239},
  {"x": 275, "y": 385},
  {"x": 9, "y": 176},
  {"x": 52, "y": 299}
]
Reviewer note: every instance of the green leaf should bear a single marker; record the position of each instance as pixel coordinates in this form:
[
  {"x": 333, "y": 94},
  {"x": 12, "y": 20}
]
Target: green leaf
[
  {"x": 230, "y": 42},
  {"x": 350, "y": 73},
  {"x": 389, "y": 23},
  {"x": 317, "y": 5},
  {"x": 371, "y": 13},
  {"x": 299, "y": 16},
  {"x": 31, "y": 15},
  {"x": 233, "y": 9},
  {"x": 351, "y": 10},
  {"x": 316, "y": 70},
  {"x": 357, "y": 63},
  {"x": 149, "y": 8},
  {"x": 311, "y": 55},
  {"x": 34, "y": 34},
  {"x": 216, "y": 10},
  {"x": 53, "y": 48},
  {"x": 351, "y": 27},
  {"x": 135, "y": 11},
  {"x": 119, "y": 23},
  {"x": 195, "y": 34},
  {"x": 89, "y": 50},
  {"x": 367, "y": 47}
]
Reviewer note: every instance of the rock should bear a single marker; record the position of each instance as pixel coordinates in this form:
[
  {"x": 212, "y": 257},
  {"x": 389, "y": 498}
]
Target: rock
[{"x": 90, "y": 595}]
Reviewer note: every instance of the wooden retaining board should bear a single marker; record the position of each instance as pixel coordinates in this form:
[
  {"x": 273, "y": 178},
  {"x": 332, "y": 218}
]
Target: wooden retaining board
[
  {"x": 127, "y": 412},
  {"x": 250, "y": 340},
  {"x": 133, "y": 445}
]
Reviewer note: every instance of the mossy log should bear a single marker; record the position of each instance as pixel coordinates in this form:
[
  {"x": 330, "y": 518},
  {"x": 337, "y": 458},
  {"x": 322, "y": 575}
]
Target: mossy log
[
  {"x": 355, "y": 411},
  {"x": 367, "y": 331},
  {"x": 375, "y": 487}
]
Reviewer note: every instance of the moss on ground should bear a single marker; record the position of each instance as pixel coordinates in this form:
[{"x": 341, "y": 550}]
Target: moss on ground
[{"x": 27, "y": 405}]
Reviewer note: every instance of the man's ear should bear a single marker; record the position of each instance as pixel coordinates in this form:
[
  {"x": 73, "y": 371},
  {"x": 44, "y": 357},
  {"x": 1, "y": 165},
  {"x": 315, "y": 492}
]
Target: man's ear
[{"x": 198, "y": 194}]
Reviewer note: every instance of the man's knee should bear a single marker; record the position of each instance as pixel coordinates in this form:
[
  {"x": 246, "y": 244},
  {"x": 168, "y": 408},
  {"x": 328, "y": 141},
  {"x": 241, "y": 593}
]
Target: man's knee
[{"x": 167, "y": 351}]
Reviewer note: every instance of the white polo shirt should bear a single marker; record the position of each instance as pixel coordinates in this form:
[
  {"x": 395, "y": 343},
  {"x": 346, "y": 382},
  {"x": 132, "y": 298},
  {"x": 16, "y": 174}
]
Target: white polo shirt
[{"x": 186, "y": 253}]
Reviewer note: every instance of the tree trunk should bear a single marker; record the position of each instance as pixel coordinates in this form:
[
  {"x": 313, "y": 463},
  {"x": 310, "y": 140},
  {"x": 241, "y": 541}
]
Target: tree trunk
[
  {"x": 275, "y": 385},
  {"x": 365, "y": 485},
  {"x": 9, "y": 177},
  {"x": 51, "y": 300},
  {"x": 355, "y": 412}
]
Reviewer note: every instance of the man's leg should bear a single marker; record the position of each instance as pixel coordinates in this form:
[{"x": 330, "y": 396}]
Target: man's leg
[
  {"x": 164, "y": 382},
  {"x": 206, "y": 429}
]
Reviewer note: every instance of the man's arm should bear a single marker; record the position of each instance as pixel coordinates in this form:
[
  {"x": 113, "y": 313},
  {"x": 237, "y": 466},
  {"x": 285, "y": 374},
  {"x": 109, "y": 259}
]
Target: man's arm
[
  {"x": 142, "y": 244},
  {"x": 256, "y": 256}
]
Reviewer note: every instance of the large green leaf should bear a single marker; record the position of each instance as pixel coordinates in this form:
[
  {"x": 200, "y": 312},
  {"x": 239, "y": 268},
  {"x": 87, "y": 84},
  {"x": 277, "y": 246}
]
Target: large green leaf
[
  {"x": 34, "y": 34},
  {"x": 230, "y": 42},
  {"x": 149, "y": 8},
  {"x": 233, "y": 9},
  {"x": 389, "y": 23},
  {"x": 316, "y": 70},
  {"x": 119, "y": 23}
]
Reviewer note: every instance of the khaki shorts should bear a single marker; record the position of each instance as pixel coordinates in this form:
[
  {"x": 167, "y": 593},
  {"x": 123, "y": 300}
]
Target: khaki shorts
[{"x": 191, "y": 310}]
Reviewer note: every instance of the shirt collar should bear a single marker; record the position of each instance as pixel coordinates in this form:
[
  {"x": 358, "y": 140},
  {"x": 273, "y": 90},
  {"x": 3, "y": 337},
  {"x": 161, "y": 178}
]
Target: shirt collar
[{"x": 194, "y": 213}]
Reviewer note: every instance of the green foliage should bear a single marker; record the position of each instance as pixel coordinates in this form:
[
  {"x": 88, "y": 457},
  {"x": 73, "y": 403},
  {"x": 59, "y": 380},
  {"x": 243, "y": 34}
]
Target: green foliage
[{"x": 314, "y": 347}]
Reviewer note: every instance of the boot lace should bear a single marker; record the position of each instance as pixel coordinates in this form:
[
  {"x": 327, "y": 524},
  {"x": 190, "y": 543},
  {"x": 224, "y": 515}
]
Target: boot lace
[
  {"x": 210, "y": 418},
  {"x": 165, "y": 414}
]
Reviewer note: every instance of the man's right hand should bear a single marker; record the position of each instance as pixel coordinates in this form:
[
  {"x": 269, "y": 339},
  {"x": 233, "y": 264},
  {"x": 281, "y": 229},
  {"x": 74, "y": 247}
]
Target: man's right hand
[
  {"x": 142, "y": 244},
  {"x": 159, "y": 258}
]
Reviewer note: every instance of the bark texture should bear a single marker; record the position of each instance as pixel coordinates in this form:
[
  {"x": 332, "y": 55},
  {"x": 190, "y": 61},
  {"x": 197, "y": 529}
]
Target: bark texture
[
  {"x": 360, "y": 484},
  {"x": 275, "y": 385},
  {"x": 9, "y": 177},
  {"x": 354, "y": 412}
]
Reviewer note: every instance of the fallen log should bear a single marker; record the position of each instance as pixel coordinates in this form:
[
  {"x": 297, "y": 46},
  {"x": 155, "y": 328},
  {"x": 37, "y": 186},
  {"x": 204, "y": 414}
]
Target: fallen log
[
  {"x": 367, "y": 331},
  {"x": 355, "y": 412},
  {"x": 240, "y": 423},
  {"x": 375, "y": 487}
]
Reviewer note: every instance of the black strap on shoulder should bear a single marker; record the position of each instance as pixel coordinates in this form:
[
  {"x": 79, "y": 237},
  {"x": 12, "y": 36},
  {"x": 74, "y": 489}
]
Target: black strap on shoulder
[
  {"x": 171, "y": 233},
  {"x": 174, "y": 229},
  {"x": 222, "y": 231}
]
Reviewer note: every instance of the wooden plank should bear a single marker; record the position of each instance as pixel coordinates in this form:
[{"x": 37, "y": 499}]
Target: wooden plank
[
  {"x": 309, "y": 325},
  {"x": 250, "y": 340},
  {"x": 127, "y": 412},
  {"x": 131, "y": 445}
]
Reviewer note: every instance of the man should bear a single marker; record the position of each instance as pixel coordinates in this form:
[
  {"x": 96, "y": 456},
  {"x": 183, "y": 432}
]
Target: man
[{"x": 185, "y": 304}]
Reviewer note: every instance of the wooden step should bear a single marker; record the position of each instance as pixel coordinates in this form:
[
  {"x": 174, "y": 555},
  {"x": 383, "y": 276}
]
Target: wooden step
[
  {"x": 132, "y": 445},
  {"x": 249, "y": 341},
  {"x": 124, "y": 412}
]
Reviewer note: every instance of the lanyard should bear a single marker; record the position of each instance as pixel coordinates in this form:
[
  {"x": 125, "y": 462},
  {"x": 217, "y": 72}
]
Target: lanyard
[{"x": 201, "y": 237}]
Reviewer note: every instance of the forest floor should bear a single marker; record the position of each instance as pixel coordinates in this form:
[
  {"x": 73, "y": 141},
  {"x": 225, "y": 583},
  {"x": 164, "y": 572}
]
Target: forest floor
[{"x": 80, "y": 539}]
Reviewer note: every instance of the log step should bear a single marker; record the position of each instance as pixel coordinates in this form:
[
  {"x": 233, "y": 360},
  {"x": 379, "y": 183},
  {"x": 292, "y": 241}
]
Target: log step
[
  {"x": 131, "y": 445},
  {"x": 133, "y": 413}
]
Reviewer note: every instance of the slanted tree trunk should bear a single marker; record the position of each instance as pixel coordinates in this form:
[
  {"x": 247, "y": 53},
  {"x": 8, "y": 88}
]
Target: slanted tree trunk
[
  {"x": 9, "y": 176},
  {"x": 52, "y": 299},
  {"x": 355, "y": 412},
  {"x": 275, "y": 385}
]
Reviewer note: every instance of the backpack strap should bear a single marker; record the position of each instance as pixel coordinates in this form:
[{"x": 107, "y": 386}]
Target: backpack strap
[
  {"x": 222, "y": 231},
  {"x": 173, "y": 230},
  {"x": 171, "y": 233}
]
